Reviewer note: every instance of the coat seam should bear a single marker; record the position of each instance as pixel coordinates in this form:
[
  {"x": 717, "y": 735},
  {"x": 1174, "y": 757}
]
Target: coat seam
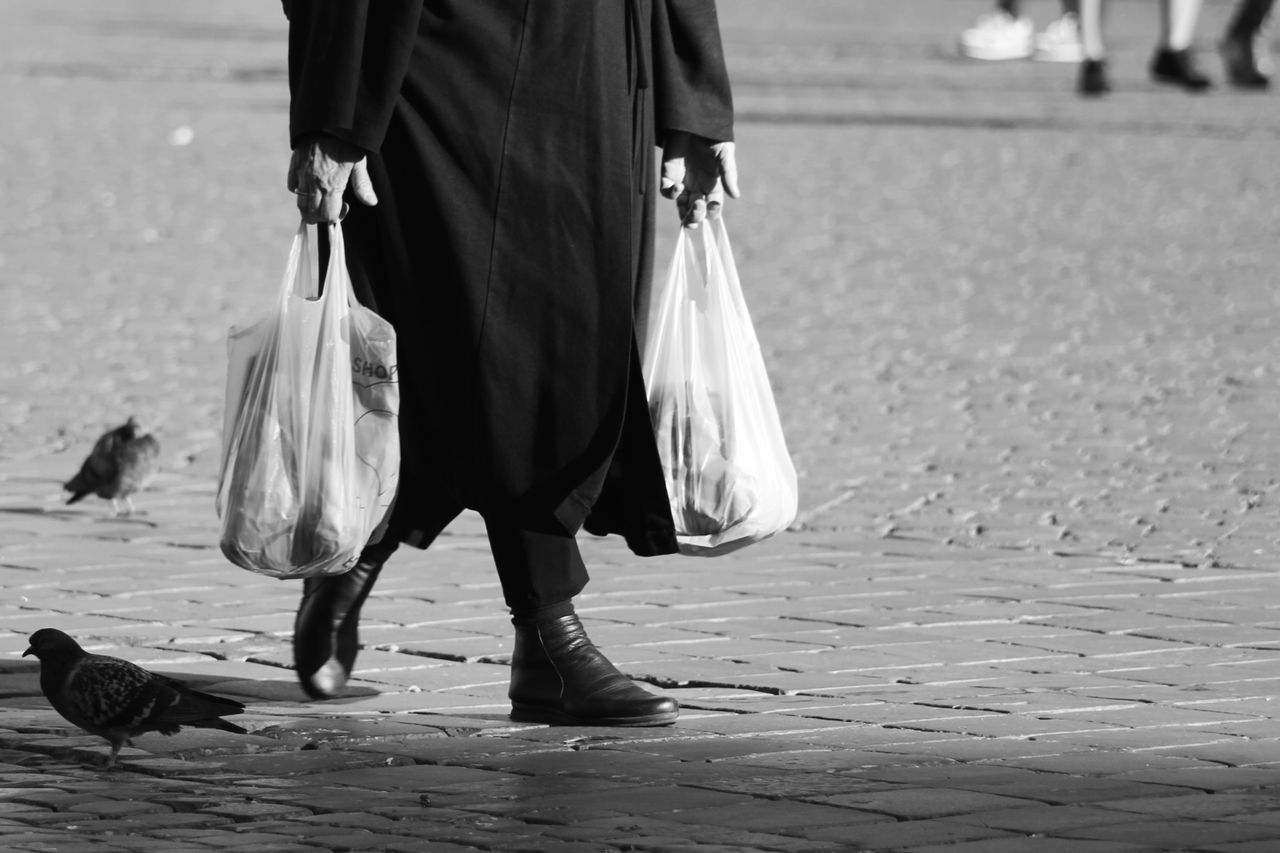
[{"x": 493, "y": 235}]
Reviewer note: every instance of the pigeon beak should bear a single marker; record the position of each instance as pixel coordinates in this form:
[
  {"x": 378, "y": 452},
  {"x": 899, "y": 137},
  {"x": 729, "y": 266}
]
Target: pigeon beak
[{"x": 30, "y": 651}]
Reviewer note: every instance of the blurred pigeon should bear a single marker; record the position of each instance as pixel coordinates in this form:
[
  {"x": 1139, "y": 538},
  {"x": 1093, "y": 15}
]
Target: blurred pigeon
[
  {"x": 118, "y": 700},
  {"x": 121, "y": 463}
]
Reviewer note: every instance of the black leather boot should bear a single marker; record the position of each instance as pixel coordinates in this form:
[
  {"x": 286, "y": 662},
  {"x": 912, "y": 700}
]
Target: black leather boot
[
  {"x": 326, "y": 631},
  {"x": 1178, "y": 67},
  {"x": 1241, "y": 64},
  {"x": 558, "y": 676},
  {"x": 1093, "y": 78}
]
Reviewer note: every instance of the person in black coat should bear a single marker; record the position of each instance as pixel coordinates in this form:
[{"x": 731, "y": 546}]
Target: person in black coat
[
  {"x": 1244, "y": 55},
  {"x": 495, "y": 165}
]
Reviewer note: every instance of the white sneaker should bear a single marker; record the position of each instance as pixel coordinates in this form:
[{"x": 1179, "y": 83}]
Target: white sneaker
[
  {"x": 998, "y": 36},
  {"x": 1060, "y": 41}
]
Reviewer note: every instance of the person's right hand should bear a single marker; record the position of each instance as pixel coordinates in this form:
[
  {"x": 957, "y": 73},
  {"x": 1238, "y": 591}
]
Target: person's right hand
[
  {"x": 319, "y": 172},
  {"x": 697, "y": 173}
]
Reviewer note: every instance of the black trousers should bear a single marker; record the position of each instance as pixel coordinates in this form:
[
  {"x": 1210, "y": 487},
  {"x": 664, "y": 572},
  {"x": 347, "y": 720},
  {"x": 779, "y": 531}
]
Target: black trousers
[
  {"x": 536, "y": 569},
  {"x": 1247, "y": 18}
]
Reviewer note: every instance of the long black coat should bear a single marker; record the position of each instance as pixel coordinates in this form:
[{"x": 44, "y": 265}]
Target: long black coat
[{"x": 512, "y": 150}]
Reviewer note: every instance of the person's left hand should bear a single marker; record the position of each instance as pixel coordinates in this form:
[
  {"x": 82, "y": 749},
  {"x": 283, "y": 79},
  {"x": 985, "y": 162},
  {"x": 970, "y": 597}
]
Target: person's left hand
[{"x": 697, "y": 173}]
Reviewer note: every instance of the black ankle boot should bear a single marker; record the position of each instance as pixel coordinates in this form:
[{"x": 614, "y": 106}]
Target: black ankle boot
[
  {"x": 1178, "y": 67},
  {"x": 326, "y": 630},
  {"x": 1093, "y": 78},
  {"x": 559, "y": 676},
  {"x": 1241, "y": 64}
]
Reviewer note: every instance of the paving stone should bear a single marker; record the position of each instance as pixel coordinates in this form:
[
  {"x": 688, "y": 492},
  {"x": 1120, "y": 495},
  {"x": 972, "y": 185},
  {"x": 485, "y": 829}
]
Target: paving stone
[
  {"x": 1053, "y": 845},
  {"x": 1159, "y": 741},
  {"x": 633, "y": 800},
  {"x": 778, "y": 816},
  {"x": 651, "y": 831},
  {"x": 411, "y": 778},
  {"x": 7, "y": 808},
  {"x": 1045, "y": 820},
  {"x": 174, "y": 766},
  {"x": 477, "y": 752},
  {"x": 343, "y": 841},
  {"x": 242, "y": 812},
  {"x": 790, "y": 785},
  {"x": 324, "y": 800},
  {"x": 1210, "y": 778},
  {"x": 815, "y": 759},
  {"x": 1217, "y": 806},
  {"x": 144, "y": 824},
  {"x": 284, "y": 844},
  {"x": 55, "y": 841},
  {"x": 53, "y": 819},
  {"x": 298, "y": 763},
  {"x": 598, "y": 760},
  {"x": 1174, "y": 834},
  {"x": 290, "y": 824},
  {"x": 718, "y": 749},
  {"x": 902, "y": 834},
  {"x": 119, "y": 808},
  {"x": 74, "y": 846},
  {"x": 979, "y": 748},
  {"x": 1105, "y": 763},
  {"x": 958, "y": 776},
  {"x": 248, "y": 837},
  {"x": 924, "y": 803},
  {"x": 140, "y": 844}
]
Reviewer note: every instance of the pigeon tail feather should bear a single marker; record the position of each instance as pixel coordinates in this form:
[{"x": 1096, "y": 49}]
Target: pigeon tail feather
[{"x": 219, "y": 724}]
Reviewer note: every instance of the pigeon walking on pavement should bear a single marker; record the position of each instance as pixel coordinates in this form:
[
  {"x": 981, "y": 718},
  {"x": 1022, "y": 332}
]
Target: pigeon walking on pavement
[
  {"x": 119, "y": 700},
  {"x": 121, "y": 463}
]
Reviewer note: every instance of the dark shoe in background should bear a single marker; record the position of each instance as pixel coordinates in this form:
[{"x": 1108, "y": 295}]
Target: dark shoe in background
[
  {"x": 1093, "y": 78},
  {"x": 1178, "y": 68},
  {"x": 326, "y": 631},
  {"x": 1241, "y": 64}
]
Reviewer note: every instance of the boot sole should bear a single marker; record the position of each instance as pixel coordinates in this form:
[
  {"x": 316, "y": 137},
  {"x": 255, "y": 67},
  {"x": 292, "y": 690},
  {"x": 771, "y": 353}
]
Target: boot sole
[{"x": 552, "y": 716}]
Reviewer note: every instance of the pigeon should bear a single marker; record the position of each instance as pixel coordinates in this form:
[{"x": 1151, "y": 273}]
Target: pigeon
[
  {"x": 119, "y": 700},
  {"x": 121, "y": 463}
]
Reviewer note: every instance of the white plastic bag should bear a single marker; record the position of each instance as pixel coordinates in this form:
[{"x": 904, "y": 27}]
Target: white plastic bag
[
  {"x": 311, "y": 450},
  {"x": 729, "y": 475}
]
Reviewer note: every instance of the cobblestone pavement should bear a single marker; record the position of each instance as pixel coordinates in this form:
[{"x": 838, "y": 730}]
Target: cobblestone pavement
[{"x": 1024, "y": 346}]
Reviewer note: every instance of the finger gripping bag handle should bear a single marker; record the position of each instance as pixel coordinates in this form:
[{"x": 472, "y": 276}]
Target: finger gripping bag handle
[
  {"x": 729, "y": 476},
  {"x": 285, "y": 490}
]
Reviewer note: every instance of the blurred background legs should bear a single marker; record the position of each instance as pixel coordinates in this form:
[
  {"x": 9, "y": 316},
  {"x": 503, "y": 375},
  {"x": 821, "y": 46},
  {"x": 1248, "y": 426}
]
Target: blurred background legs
[
  {"x": 1244, "y": 52},
  {"x": 1005, "y": 33},
  {"x": 1093, "y": 69},
  {"x": 1174, "y": 59},
  {"x": 1059, "y": 41}
]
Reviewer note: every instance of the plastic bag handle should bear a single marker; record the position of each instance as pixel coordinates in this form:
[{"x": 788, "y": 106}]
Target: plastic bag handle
[
  {"x": 298, "y": 280},
  {"x": 340, "y": 285}
]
